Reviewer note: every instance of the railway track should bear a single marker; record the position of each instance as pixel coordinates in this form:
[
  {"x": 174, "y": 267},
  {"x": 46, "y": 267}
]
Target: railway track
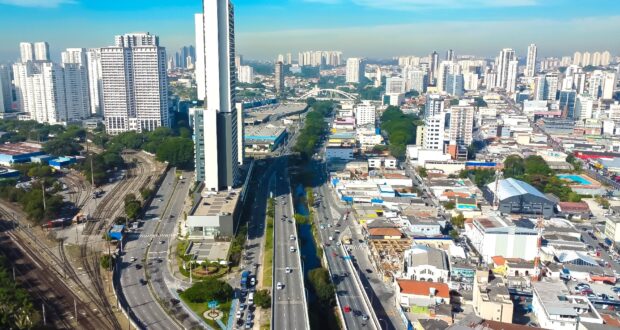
[{"x": 48, "y": 289}]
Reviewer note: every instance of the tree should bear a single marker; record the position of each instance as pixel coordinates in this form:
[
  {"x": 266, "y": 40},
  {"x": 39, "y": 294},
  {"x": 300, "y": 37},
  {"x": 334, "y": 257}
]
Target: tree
[
  {"x": 62, "y": 147},
  {"x": 514, "y": 167},
  {"x": 454, "y": 102},
  {"x": 322, "y": 286},
  {"x": 536, "y": 165},
  {"x": 262, "y": 298},
  {"x": 449, "y": 205},
  {"x": 177, "y": 151},
  {"x": 422, "y": 172},
  {"x": 207, "y": 290},
  {"x": 458, "y": 221}
]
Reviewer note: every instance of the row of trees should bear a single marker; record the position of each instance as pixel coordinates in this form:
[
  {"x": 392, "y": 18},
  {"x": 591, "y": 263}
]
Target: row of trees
[
  {"x": 208, "y": 289},
  {"x": 315, "y": 127},
  {"x": 400, "y": 129}
]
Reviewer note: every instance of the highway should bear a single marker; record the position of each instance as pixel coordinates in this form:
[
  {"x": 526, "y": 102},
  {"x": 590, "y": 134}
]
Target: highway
[
  {"x": 289, "y": 302},
  {"x": 140, "y": 273}
]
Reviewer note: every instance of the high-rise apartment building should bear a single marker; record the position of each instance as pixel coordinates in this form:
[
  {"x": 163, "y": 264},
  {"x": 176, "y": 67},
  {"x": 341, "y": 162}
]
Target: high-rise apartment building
[
  {"x": 76, "y": 88},
  {"x": 40, "y": 91},
  {"x": 577, "y": 58},
  {"x": 415, "y": 79},
  {"x": 455, "y": 85},
  {"x": 434, "y": 132},
  {"x": 434, "y": 59},
  {"x": 434, "y": 105},
  {"x": 511, "y": 82},
  {"x": 608, "y": 85},
  {"x": 450, "y": 55},
  {"x": 540, "y": 86},
  {"x": 506, "y": 55},
  {"x": 134, "y": 84},
  {"x": 596, "y": 58},
  {"x": 279, "y": 77},
  {"x": 355, "y": 70},
  {"x": 605, "y": 58},
  {"x": 530, "y": 66},
  {"x": 461, "y": 125},
  {"x": 95, "y": 84},
  {"x": 218, "y": 128},
  {"x": 395, "y": 85},
  {"x": 246, "y": 74},
  {"x": 586, "y": 59},
  {"x": 38, "y": 51},
  {"x": 365, "y": 114},
  {"x": 552, "y": 82}
]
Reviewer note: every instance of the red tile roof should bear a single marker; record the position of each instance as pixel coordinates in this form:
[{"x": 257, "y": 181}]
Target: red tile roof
[
  {"x": 385, "y": 232},
  {"x": 422, "y": 288},
  {"x": 575, "y": 207}
]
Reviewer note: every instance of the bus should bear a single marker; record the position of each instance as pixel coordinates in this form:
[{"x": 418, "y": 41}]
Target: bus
[{"x": 244, "y": 279}]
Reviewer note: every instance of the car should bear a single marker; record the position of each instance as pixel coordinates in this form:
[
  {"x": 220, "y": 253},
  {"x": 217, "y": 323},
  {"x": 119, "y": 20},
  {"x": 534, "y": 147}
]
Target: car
[
  {"x": 162, "y": 242},
  {"x": 174, "y": 301},
  {"x": 331, "y": 238},
  {"x": 292, "y": 237},
  {"x": 133, "y": 259},
  {"x": 292, "y": 249},
  {"x": 241, "y": 306},
  {"x": 365, "y": 317},
  {"x": 138, "y": 266},
  {"x": 161, "y": 199},
  {"x": 368, "y": 270},
  {"x": 143, "y": 281},
  {"x": 604, "y": 296},
  {"x": 248, "y": 325},
  {"x": 347, "y": 309},
  {"x": 279, "y": 286},
  {"x": 288, "y": 270},
  {"x": 322, "y": 226},
  {"x": 616, "y": 289}
]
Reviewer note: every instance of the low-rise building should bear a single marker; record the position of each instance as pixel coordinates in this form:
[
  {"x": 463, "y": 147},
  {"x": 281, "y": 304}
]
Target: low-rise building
[
  {"x": 555, "y": 308},
  {"x": 421, "y": 293},
  {"x": 423, "y": 263},
  {"x": 518, "y": 197},
  {"x": 491, "y": 298},
  {"x": 263, "y": 139},
  {"x": 214, "y": 215},
  {"x": 612, "y": 228},
  {"x": 424, "y": 226}
]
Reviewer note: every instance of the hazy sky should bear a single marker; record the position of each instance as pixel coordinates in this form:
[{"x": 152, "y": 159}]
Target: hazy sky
[{"x": 370, "y": 28}]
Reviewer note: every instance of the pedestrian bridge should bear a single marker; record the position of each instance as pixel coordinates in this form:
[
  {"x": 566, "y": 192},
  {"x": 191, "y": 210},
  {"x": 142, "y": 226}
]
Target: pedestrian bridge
[{"x": 327, "y": 94}]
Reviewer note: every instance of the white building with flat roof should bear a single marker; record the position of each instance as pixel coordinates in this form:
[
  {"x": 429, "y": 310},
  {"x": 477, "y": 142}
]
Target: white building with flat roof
[
  {"x": 555, "y": 308},
  {"x": 365, "y": 114}
]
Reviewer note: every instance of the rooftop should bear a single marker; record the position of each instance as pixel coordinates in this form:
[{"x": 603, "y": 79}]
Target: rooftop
[
  {"x": 13, "y": 149},
  {"x": 510, "y": 188},
  {"x": 425, "y": 255},
  {"x": 220, "y": 203},
  {"x": 384, "y": 232},
  {"x": 423, "y": 288}
]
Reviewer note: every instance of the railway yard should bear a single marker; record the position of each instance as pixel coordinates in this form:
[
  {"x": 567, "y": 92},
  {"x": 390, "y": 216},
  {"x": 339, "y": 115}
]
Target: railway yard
[{"x": 61, "y": 266}]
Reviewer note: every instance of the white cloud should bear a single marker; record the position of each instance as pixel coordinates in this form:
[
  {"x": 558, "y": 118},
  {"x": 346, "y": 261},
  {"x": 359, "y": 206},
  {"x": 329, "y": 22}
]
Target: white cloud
[
  {"x": 327, "y": 2},
  {"x": 432, "y": 4},
  {"x": 36, "y": 3}
]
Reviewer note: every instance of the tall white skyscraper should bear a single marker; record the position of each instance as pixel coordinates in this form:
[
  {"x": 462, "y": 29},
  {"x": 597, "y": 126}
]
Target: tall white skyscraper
[
  {"x": 506, "y": 55},
  {"x": 511, "y": 82},
  {"x": 26, "y": 50},
  {"x": 246, "y": 74},
  {"x": 461, "y": 125},
  {"x": 355, "y": 70},
  {"x": 218, "y": 128},
  {"x": 41, "y": 51},
  {"x": 577, "y": 58},
  {"x": 95, "y": 84},
  {"x": 76, "y": 83},
  {"x": 586, "y": 59},
  {"x": 134, "y": 84},
  {"x": 40, "y": 91},
  {"x": 530, "y": 67}
]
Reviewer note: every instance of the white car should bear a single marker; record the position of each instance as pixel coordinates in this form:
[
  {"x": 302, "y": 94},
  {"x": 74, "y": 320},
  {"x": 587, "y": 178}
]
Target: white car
[
  {"x": 292, "y": 237},
  {"x": 279, "y": 286},
  {"x": 292, "y": 249},
  {"x": 288, "y": 270}
]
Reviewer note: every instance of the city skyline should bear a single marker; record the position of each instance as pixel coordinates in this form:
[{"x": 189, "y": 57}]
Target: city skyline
[{"x": 267, "y": 29}]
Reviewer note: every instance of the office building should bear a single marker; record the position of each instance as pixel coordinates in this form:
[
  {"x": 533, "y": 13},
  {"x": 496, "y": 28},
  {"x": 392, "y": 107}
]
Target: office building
[
  {"x": 365, "y": 114},
  {"x": 567, "y": 103},
  {"x": 6, "y": 90},
  {"x": 434, "y": 67},
  {"x": 40, "y": 91},
  {"x": 551, "y": 86},
  {"x": 246, "y": 74},
  {"x": 134, "y": 84},
  {"x": 95, "y": 84},
  {"x": 395, "y": 85},
  {"x": 530, "y": 66},
  {"x": 583, "y": 107},
  {"x": 279, "y": 77},
  {"x": 75, "y": 69},
  {"x": 434, "y": 105},
  {"x": 461, "y": 125},
  {"x": 506, "y": 55},
  {"x": 455, "y": 84},
  {"x": 355, "y": 70},
  {"x": 218, "y": 128}
]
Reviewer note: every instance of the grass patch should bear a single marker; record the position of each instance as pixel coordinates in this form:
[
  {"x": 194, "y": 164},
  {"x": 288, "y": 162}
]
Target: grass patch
[{"x": 268, "y": 253}]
